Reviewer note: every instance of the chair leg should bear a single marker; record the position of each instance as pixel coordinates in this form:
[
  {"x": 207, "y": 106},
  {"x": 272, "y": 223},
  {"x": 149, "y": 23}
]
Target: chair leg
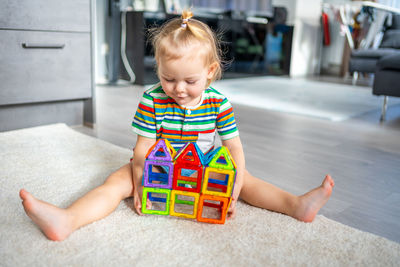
[
  {"x": 384, "y": 108},
  {"x": 355, "y": 78}
]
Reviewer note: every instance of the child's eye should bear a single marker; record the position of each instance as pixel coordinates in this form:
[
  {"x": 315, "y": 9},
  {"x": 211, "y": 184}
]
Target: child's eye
[
  {"x": 191, "y": 82},
  {"x": 168, "y": 80}
]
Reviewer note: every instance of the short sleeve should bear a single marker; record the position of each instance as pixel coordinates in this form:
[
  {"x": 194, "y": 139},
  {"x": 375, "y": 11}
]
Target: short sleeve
[
  {"x": 144, "y": 122},
  {"x": 226, "y": 124}
]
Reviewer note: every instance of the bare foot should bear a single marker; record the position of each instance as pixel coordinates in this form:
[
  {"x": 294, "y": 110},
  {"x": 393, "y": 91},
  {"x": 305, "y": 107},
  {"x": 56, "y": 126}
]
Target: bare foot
[
  {"x": 313, "y": 201},
  {"x": 53, "y": 221}
]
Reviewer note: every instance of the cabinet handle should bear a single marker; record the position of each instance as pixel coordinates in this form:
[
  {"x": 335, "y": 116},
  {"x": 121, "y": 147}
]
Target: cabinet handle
[{"x": 43, "y": 46}]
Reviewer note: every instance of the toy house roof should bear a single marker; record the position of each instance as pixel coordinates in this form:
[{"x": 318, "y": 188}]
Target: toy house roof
[
  {"x": 221, "y": 158},
  {"x": 190, "y": 153},
  {"x": 161, "y": 150}
]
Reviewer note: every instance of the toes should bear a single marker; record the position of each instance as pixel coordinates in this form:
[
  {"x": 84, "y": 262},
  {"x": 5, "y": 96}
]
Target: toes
[
  {"x": 23, "y": 194},
  {"x": 328, "y": 181}
]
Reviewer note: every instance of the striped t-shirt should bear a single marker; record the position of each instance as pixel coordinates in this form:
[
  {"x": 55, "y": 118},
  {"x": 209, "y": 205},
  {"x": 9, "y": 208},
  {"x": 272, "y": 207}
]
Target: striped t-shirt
[{"x": 159, "y": 116}]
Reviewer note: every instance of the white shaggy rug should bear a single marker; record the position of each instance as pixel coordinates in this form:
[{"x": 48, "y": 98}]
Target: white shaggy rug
[
  {"x": 57, "y": 164},
  {"x": 329, "y": 101}
]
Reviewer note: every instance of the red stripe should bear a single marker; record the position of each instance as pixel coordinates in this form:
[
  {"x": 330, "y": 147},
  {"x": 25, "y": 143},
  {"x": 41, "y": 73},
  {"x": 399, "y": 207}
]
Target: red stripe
[
  {"x": 212, "y": 100},
  {"x": 146, "y": 108},
  {"x": 172, "y": 101},
  {"x": 198, "y": 131},
  {"x": 164, "y": 101},
  {"x": 226, "y": 112},
  {"x": 195, "y": 133},
  {"x": 217, "y": 186},
  {"x": 165, "y": 131}
]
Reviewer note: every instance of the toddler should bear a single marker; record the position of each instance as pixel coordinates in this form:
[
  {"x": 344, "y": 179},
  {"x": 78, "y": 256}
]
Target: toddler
[{"x": 181, "y": 108}]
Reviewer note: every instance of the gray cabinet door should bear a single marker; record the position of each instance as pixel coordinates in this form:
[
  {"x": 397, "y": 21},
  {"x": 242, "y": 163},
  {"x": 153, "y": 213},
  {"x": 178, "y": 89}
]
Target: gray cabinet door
[
  {"x": 54, "y": 15},
  {"x": 44, "y": 66}
]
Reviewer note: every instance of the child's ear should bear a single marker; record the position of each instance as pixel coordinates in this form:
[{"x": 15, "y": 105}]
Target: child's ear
[{"x": 211, "y": 70}]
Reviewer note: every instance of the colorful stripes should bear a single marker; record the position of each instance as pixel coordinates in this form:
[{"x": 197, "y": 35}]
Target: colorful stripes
[{"x": 159, "y": 116}]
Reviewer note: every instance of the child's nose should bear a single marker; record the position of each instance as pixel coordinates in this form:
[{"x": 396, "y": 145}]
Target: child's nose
[{"x": 180, "y": 87}]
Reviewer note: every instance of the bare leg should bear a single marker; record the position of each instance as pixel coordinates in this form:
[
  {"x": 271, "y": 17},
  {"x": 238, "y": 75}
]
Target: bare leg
[
  {"x": 57, "y": 223},
  {"x": 304, "y": 208}
]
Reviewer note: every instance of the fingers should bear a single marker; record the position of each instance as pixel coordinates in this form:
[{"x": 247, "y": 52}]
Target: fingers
[
  {"x": 232, "y": 213},
  {"x": 137, "y": 203},
  {"x": 232, "y": 210},
  {"x": 138, "y": 206}
]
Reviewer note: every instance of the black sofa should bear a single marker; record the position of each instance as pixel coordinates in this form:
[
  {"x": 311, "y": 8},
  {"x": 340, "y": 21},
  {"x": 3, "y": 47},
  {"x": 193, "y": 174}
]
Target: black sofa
[
  {"x": 387, "y": 79},
  {"x": 365, "y": 60}
]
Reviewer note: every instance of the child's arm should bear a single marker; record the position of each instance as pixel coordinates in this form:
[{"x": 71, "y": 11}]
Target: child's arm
[
  {"x": 236, "y": 149},
  {"x": 143, "y": 144}
]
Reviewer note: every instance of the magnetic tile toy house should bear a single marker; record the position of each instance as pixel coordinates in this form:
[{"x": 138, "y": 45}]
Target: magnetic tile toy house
[
  {"x": 188, "y": 169},
  {"x": 159, "y": 157},
  {"x": 188, "y": 184}
]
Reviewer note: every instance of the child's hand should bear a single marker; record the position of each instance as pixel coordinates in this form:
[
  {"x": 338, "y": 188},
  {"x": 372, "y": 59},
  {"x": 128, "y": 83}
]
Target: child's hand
[
  {"x": 235, "y": 197},
  {"x": 143, "y": 145},
  {"x": 232, "y": 209},
  {"x": 137, "y": 201}
]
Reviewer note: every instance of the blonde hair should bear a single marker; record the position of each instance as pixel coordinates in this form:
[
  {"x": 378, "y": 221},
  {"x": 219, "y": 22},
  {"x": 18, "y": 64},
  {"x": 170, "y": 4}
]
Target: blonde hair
[{"x": 183, "y": 32}]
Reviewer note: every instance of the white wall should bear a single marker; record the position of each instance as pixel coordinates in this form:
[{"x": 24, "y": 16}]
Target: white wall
[
  {"x": 306, "y": 38},
  {"x": 305, "y": 15}
]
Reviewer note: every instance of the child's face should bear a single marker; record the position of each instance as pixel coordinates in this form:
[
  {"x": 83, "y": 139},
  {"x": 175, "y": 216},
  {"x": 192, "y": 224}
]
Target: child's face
[{"x": 185, "y": 79}]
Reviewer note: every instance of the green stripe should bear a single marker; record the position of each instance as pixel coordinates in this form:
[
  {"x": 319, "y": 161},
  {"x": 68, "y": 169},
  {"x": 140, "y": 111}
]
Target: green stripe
[
  {"x": 143, "y": 129},
  {"x": 147, "y": 96},
  {"x": 186, "y": 202},
  {"x": 187, "y": 182},
  {"x": 158, "y": 89},
  {"x": 189, "y": 122},
  {"x": 211, "y": 89},
  {"x": 173, "y": 122},
  {"x": 200, "y": 122},
  {"x": 228, "y": 132},
  {"x": 145, "y": 104}
]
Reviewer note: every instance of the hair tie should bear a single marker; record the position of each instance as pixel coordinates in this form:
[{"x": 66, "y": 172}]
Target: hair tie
[{"x": 184, "y": 23}]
